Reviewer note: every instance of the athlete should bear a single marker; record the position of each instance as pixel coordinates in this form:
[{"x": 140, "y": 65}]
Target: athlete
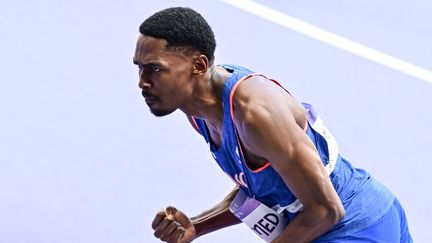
[{"x": 292, "y": 185}]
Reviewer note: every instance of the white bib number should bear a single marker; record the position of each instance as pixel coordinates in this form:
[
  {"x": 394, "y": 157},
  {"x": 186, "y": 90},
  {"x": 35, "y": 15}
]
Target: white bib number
[{"x": 264, "y": 221}]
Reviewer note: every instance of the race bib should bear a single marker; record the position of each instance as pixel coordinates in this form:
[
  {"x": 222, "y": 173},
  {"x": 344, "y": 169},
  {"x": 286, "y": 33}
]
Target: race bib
[{"x": 264, "y": 221}]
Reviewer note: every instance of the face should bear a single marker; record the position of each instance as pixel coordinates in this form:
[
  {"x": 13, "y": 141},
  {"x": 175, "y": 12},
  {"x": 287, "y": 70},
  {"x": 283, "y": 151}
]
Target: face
[{"x": 165, "y": 75}]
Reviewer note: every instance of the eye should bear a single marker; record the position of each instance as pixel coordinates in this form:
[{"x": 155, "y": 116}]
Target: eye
[
  {"x": 148, "y": 69},
  {"x": 155, "y": 69}
]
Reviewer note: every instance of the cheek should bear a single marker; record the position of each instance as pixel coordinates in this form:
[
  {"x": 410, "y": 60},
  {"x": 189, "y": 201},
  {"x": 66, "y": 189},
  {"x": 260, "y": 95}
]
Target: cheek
[
  {"x": 181, "y": 82},
  {"x": 182, "y": 69}
]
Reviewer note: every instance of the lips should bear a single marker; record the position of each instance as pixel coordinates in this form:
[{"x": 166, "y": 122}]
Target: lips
[{"x": 149, "y": 98}]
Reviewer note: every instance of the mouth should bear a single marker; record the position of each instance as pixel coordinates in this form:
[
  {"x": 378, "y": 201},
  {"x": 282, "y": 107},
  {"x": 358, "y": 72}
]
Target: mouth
[{"x": 149, "y": 97}]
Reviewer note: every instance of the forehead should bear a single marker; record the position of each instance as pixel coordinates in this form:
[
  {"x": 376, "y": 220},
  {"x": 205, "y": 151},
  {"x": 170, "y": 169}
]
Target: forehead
[
  {"x": 151, "y": 49},
  {"x": 148, "y": 46}
]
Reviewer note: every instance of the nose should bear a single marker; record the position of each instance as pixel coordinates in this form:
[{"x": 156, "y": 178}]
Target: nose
[{"x": 143, "y": 83}]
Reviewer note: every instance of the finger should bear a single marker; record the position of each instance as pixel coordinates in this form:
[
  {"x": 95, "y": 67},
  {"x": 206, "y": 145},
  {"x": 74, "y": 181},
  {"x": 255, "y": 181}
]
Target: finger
[
  {"x": 178, "y": 216},
  {"x": 158, "y": 218},
  {"x": 160, "y": 229},
  {"x": 176, "y": 235},
  {"x": 169, "y": 230}
]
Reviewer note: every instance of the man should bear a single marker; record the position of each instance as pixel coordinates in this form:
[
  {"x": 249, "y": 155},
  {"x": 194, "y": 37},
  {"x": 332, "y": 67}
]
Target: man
[{"x": 284, "y": 161}]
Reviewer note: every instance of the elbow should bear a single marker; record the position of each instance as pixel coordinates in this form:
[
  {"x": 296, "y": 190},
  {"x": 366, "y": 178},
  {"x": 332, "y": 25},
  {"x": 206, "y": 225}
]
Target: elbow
[
  {"x": 326, "y": 215},
  {"x": 329, "y": 214},
  {"x": 335, "y": 213}
]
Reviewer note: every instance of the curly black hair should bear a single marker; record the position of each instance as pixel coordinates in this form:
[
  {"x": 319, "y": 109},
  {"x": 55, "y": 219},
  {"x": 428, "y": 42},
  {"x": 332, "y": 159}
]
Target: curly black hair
[{"x": 181, "y": 27}]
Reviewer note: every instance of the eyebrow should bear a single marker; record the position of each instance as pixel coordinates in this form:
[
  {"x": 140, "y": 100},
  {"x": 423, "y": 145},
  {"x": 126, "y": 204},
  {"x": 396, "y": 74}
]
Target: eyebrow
[{"x": 149, "y": 64}]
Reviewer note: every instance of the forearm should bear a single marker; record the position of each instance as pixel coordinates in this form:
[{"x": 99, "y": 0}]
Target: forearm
[
  {"x": 217, "y": 217},
  {"x": 310, "y": 224}
]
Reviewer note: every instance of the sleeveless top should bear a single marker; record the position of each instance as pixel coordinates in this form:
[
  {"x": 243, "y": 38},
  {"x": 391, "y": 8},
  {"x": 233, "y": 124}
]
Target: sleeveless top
[{"x": 365, "y": 200}]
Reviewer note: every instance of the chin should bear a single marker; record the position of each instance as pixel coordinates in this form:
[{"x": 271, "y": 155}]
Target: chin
[{"x": 160, "y": 113}]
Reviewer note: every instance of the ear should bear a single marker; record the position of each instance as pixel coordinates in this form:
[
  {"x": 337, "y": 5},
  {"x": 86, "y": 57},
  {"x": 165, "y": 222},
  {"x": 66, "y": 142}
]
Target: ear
[{"x": 200, "y": 65}]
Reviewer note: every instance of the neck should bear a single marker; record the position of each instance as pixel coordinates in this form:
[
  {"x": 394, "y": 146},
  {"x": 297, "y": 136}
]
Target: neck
[{"x": 206, "y": 100}]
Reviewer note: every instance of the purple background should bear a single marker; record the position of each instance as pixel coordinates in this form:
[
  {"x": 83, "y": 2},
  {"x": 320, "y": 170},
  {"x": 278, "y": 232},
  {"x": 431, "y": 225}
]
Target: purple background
[{"x": 82, "y": 159}]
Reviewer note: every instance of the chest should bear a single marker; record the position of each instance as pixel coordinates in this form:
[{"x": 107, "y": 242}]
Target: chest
[{"x": 253, "y": 161}]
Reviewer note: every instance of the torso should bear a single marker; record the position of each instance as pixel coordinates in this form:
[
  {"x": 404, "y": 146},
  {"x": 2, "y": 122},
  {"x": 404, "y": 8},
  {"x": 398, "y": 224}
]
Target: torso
[{"x": 351, "y": 184}]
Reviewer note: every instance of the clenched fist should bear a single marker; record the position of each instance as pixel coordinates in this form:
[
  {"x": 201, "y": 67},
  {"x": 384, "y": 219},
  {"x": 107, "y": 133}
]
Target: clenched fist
[{"x": 173, "y": 226}]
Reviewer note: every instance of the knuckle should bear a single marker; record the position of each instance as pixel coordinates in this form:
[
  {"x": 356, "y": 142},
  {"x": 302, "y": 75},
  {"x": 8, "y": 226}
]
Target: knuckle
[
  {"x": 157, "y": 234},
  {"x": 164, "y": 238}
]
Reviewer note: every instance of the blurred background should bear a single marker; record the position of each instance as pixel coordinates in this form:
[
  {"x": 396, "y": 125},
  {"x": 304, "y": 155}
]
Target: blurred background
[{"x": 83, "y": 160}]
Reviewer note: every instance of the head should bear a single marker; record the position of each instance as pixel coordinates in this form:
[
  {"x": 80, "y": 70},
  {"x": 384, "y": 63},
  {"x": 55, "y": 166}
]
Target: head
[{"x": 175, "y": 49}]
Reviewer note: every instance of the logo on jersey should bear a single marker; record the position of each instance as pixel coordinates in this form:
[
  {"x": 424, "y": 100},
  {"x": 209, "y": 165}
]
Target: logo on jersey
[{"x": 238, "y": 179}]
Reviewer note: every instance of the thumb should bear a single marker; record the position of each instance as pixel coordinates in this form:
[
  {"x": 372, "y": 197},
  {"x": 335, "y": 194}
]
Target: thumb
[{"x": 177, "y": 215}]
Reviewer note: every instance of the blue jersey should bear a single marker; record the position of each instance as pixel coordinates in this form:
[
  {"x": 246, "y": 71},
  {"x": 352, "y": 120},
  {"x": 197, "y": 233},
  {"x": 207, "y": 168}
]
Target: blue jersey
[{"x": 364, "y": 199}]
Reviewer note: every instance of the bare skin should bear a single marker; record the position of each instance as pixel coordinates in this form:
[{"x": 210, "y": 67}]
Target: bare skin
[{"x": 270, "y": 125}]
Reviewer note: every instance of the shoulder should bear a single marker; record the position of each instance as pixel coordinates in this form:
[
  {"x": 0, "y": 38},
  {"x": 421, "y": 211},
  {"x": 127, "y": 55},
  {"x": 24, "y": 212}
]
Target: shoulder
[
  {"x": 269, "y": 121},
  {"x": 258, "y": 96}
]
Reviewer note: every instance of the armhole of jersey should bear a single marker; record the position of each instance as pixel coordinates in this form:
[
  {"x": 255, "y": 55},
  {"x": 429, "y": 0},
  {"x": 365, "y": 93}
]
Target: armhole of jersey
[
  {"x": 234, "y": 88},
  {"x": 235, "y": 129},
  {"x": 195, "y": 124}
]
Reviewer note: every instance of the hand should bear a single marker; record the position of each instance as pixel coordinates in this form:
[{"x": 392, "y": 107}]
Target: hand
[{"x": 173, "y": 226}]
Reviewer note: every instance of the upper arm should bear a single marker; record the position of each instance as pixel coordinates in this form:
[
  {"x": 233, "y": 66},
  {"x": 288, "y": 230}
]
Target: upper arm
[{"x": 268, "y": 123}]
